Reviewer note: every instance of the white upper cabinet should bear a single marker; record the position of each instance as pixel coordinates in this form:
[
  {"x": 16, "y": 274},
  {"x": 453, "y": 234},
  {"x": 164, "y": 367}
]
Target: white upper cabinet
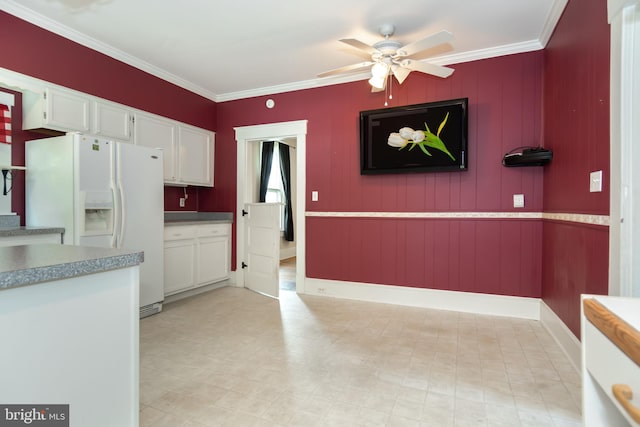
[
  {"x": 188, "y": 151},
  {"x": 158, "y": 132},
  {"x": 57, "y": 109},
  {"x": 195, "y": 156},
  {"x": 111, "y": 120}
]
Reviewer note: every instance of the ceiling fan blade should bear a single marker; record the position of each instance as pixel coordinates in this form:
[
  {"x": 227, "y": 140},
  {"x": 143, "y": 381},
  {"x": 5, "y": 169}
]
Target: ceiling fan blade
[
  {"x": 426, "y": 43},
  {"x": 345, "y": 69},
  {"x": 400, "y": 73},
  {"x": 360, "y": 45},
  {"x": 425, "y": 67}
]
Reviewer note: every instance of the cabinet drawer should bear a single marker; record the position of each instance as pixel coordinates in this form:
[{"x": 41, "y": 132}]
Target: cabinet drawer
[
  {"x": 179, "y": 232},
  {"x": 213, "y": 230}
]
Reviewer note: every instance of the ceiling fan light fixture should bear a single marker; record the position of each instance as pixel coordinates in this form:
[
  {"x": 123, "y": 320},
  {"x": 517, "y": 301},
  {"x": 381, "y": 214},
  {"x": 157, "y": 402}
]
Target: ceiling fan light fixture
[
  {"x": 378, "y": 81},
  {"x": 380, "y": 69}
]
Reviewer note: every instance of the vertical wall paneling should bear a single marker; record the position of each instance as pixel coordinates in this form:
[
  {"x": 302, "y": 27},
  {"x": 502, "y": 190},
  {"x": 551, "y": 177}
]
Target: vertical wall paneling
[{"x": 576, "y": 128}]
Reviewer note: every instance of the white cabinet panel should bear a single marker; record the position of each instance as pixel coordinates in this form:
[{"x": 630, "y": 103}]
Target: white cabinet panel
[
  {"x": 178, "y": 265},
  {"x": 111, "y": 120},
  {"x": 196, "y": 255},
  {"x": 160, "y": 133},
  {"x": 57, "y": 109},
  {"x": 195, "y": 159}
]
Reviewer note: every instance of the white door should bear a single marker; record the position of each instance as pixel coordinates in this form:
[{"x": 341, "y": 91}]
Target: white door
[{"x": 262, "y": 254}]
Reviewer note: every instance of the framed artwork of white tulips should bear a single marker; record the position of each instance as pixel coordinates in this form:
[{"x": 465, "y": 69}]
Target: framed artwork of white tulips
[{"x": 430, "y": 137}]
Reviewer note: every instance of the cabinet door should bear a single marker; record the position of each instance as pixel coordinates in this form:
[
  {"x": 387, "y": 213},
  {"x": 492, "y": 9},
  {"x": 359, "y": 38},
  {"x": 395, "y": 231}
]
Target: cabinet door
[
  {"x": 66, "y": 110},
  {"x": 157, "y": 132},
  {"x": 195, "y": 156},
  {"x": 213, "y": 259},
  {"x": 111, "y": 121},
  {"x": 179, "y": 256}
]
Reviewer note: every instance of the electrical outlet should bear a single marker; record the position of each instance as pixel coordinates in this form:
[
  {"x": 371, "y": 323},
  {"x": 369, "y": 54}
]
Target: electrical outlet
[
  {"x": 518, "y": 200},
  {"x": 182, "y": 202}
]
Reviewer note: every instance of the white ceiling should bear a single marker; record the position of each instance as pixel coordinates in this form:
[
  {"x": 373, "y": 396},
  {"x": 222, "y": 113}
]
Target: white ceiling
[{"x": 231, "y": 49}]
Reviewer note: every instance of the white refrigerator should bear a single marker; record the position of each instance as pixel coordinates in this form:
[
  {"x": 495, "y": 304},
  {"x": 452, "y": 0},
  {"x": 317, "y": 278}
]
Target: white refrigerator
[{"x": 104, "y": 193}]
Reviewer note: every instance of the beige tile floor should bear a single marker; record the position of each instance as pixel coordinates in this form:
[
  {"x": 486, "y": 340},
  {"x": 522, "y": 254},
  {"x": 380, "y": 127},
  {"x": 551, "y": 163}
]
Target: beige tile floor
[{"x": 231, "y": 357}]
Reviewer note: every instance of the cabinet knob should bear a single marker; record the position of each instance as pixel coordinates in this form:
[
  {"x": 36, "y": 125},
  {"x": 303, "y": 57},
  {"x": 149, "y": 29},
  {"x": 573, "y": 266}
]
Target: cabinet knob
[{"x": 624, "y": 394}]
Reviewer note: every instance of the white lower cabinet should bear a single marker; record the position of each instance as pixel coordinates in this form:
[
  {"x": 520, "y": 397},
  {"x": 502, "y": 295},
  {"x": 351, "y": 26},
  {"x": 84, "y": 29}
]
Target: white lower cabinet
[
  {"x": 195, "y": 255},
  {"x": 213, "y": 253}
]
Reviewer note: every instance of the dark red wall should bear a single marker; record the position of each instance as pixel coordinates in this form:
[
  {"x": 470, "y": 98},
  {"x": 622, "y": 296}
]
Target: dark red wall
[
  {"x": 576, "y": 122},
  {"x": 506, "y": 111},
  {"x": 38, "y": 53},
  {"x": 41, "y": 54},
  {"x": 496, "y": 256}
]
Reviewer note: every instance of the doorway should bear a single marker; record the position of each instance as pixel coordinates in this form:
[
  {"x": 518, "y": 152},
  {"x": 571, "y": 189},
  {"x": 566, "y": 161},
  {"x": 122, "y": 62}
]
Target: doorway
[
  {"x": 246, "y": 136},
  {"x": 287, "y": 276}
]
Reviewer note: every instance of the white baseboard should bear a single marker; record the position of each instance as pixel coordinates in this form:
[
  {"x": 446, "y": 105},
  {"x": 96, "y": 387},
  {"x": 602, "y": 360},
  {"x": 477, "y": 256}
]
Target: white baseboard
[
  {"x": 468, "y": 302},
  {"x": 287, "y": 253},
  {"x": 562, "y": 334},
  {"x": 196, "y": 291}
]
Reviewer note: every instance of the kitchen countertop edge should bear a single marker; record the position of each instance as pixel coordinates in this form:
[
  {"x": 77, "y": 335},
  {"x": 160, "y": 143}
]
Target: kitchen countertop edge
[
  {"x": 33, "y": 264},
  {"x": 189, "y": 218},
  {"x": 28, "y": 231}
]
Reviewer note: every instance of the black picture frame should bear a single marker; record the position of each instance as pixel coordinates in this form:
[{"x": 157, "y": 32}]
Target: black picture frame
[{"x": 443, "y": 149}]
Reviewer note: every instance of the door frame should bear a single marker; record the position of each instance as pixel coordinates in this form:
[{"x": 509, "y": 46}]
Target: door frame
[
  {"x": 624, "y": 229},
  {"x": 246, "y": 134}
]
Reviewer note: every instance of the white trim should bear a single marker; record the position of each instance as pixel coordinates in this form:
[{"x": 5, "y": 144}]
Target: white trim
[
  {"x": 244, "y": 135},
  {"x": 458, "y": 58},
  {"x": 466, "y": 302},
  {"x": 444, "y": 215},
  {"x": 578, "y": 218},
  {"x": 12, "y": 7},
  {"x": 602, "y": 220},
  {"x": 614, "y": 7},
  {"x": 552, "y": 20},
  {"x": 624, "y": 256},
  {"x": 48, "y": 24},
  {"x": 562, "y": 335}
]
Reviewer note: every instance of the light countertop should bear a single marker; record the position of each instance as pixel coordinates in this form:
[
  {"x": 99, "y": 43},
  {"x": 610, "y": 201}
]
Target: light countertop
[
  {"x": 32, "y": 264},
  {"x": 26, "y": 231},
  {"x": 188, "y": 218}
]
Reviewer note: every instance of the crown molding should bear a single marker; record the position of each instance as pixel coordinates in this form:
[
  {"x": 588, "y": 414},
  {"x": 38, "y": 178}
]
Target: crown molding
[
  {"x": 457, "y": 58},
  {"x": 552, "y": 20},
  {"x": 48, "y": 24},
  {"x": 10, "y": 6}
]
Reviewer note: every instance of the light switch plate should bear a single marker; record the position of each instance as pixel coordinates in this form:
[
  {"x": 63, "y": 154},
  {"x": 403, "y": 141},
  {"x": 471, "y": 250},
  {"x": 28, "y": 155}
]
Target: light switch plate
[
  {"x": 595, "y": 182},
  {"x": 314, "y": 196},
  {"x": 518, "y": 200}
]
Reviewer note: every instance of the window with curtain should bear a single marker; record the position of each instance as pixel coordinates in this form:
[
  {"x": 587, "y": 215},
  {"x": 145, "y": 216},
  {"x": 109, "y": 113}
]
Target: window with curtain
[{"x": 275, "y": 187}]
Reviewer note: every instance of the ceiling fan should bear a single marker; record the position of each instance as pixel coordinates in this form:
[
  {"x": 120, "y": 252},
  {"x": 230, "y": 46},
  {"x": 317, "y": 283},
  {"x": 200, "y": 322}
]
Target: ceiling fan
[{"x": 390, "y": 57}]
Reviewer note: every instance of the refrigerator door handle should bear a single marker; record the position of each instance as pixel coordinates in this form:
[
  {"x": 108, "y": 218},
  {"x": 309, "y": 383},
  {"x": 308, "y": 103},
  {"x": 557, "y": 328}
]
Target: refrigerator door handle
[
  {"x": 123, "y": 216},
  {"x": 116, "y": 217}
]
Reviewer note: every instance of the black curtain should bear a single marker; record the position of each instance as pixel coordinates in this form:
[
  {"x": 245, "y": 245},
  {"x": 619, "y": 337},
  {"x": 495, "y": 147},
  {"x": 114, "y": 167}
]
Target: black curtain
[
  {"x": 285, "y": 173},
  {"x": 265, "y": 168}
]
